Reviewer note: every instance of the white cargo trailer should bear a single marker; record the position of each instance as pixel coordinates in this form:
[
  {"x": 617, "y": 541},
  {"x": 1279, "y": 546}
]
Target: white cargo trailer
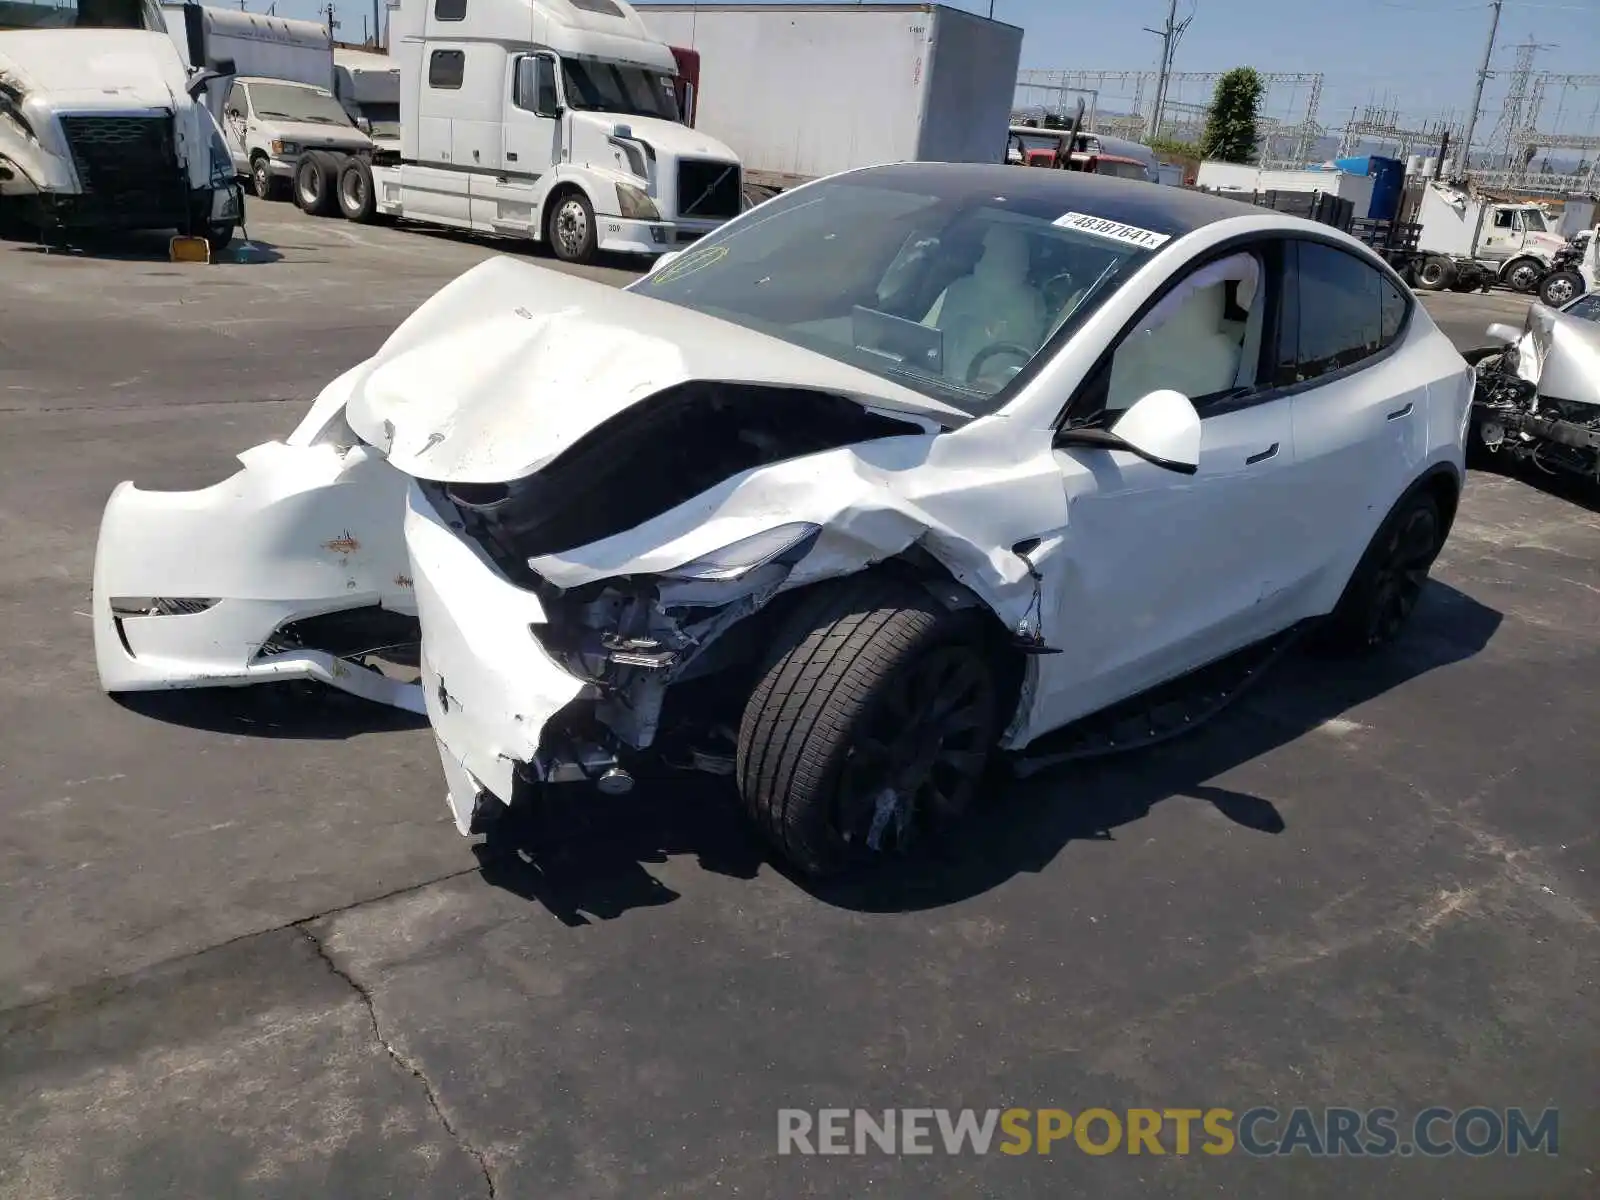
[{"x": 802, "y": 90}]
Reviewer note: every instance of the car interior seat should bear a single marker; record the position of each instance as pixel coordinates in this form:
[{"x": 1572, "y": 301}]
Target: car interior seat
[
  {"x": 994, "y": 303},
  {"x": 1195, "y": 350}
]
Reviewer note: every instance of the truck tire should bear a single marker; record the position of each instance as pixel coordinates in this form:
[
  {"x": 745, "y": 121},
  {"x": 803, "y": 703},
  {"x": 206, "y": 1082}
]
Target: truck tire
[
  {"x": 1523, "y": 275},
  {"x": 358, "y": 198},
  {"x": 1436, "y": 273},
  {"x": 1560, "y": 288},
  {"x": 569, "y": 226},
  {"x": 316, "y": 183},
  {"x": 871, "y": 680},
  {"x": 219, "y": 236},
  {"x": 263, "y": 182}
]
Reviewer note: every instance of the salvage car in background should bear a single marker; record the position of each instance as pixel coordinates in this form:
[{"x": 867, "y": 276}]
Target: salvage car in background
[
  {"x": 1538, "y": 392},
  {"x": 902, "y": 466}
]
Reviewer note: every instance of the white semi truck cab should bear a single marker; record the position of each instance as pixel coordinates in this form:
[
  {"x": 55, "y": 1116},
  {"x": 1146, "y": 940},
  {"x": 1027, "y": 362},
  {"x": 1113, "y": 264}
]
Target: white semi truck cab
[
  {"x": 554, "y": 120},
  {"x": 103, "y": 126}
]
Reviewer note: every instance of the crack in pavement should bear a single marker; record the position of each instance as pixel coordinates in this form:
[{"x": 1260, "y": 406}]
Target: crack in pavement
[{"x": 400, "y": 1059}]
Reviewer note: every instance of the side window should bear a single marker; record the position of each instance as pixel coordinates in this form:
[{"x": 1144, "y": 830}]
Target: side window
[
  {"x": 1202, "y": 338},
  {"x": 1502, "y": 218},
  {"x": 449, "y": 10},
  {"x": 535, "y": 88},
  {"x": 1339, "y": 310},
  {"x": 446, "y": 68},
  {"x": 1394, "y": 310},
  {"x": 238, "y": 102}
]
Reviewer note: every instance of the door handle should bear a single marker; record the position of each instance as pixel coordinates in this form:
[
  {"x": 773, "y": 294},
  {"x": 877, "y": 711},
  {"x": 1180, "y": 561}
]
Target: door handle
[
  {"x": 1270, "y": 452},
  {"x": 1401, "y": 412}
]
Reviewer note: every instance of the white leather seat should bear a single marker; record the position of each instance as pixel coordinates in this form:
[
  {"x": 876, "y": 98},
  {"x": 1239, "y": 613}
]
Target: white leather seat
[
  {"x": 1190, "y": 352},
  {"x": 993, "y": 304}
]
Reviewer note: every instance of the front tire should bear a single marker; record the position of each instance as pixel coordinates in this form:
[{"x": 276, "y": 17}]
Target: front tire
[
  {"x": 263, "y": 182},
  {"x": 870, "y": 727},
  {"x": 1387, "y": 583},
  {"x": 569, "y": 227},
  {"x": 1523, "y": 275},
  {"x": 1560, "y": 288}
]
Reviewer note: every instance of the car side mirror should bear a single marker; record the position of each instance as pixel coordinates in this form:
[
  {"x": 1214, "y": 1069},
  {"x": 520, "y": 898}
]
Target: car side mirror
[
  {"x": 1507, "y": 335},
  {"x": 1162, "y": 428},
  {"x": 201, "y": 78}
]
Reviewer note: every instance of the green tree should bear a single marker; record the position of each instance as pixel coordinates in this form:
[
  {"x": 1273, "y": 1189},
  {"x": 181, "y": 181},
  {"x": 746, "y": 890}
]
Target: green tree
[{"x": 1230, "y": 134}]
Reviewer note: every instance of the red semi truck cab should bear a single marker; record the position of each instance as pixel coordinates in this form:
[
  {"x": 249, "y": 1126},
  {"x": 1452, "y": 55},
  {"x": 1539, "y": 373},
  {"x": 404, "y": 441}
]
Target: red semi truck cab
[{"x": 688, "y": 82}]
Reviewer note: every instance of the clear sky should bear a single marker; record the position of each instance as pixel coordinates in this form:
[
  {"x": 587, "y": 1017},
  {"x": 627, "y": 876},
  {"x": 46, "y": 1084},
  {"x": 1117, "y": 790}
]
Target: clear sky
[{"x": 1418, "y": 55}]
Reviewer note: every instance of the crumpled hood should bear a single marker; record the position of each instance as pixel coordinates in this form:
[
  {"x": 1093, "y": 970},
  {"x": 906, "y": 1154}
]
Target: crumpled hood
[
  {"x": 95, "y": 65},
  {"x": 1560, "y": 355},
  {"x": 512, "y": 363}
]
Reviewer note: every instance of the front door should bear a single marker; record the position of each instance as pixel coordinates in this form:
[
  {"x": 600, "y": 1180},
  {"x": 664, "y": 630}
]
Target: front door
[
  {"x": 1157, "y": 573},
  {"x": 235, "y": 122},
  {"x": 533, "y": 123}
]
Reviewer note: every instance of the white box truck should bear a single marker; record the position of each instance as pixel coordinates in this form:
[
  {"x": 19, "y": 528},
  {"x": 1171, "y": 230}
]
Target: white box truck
[
  {"x": 550, "y": 120},
  {"x": 802, "y": 90},
  {"x": 278, "y": 106},
  {"x": 103, "y": 125}
]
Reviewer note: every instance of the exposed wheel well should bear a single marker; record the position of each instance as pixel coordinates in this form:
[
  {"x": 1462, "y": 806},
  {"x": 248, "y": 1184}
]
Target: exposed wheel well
[
  {"x": 257, "y": 155},
  {"x": 1443, "y": 483}
]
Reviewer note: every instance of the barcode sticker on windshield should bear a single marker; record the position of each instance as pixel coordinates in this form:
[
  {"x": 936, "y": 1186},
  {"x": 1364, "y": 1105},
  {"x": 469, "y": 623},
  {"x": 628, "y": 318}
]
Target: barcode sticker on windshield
[{"x": 1116, "y": 231}]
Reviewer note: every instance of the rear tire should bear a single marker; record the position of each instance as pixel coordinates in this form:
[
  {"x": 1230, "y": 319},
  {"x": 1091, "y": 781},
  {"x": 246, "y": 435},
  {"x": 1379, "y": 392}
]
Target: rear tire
[
  {"x": 358, "y": 199},
  {"x": 1384, "y": 588},
  {"x": 871, "y": 725},
  {"x": 316, "y": 182},
  {"x": 1560, "y": 288},
  {"x": 1436, "y": 273}
]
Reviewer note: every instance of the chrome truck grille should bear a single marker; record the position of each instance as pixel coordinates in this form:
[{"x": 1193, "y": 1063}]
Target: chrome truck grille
[
  {"x": 130, "y": 163},
  {"x": 709, "y": 189}
]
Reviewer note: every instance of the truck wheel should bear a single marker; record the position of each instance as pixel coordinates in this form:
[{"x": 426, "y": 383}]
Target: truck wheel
[
  {"x": 1436, "y": 273},
  {"x": 358, "y": 199},
  {"x": 872, "y": 724},
  {"x": 1560, "y": 287},
  {"x": 316, "y": 182},
  {"x": 1523, "y": 275},
  {"x": 569, "y": 227},
  {"x": 263, "y": 182}
]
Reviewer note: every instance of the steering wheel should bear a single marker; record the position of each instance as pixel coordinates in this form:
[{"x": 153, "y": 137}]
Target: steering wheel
[{"x": 975, "y": 369}]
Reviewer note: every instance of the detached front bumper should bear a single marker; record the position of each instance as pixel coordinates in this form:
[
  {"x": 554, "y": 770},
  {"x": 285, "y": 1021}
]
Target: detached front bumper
[
  {"x": 489, "y": 686},
  {"x": 193, "y": 589}
]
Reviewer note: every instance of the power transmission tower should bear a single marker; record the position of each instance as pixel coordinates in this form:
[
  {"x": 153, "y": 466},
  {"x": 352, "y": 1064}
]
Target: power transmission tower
[
  {"x": 1169, "y": 35},
  {"x": 1477, "y": 92}
]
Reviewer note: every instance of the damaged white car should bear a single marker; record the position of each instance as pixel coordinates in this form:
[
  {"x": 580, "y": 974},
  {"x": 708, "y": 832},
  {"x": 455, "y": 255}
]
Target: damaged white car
[{"x": 900, "y": 467}]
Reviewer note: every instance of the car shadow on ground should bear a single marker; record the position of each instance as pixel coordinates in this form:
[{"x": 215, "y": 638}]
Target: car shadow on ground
[
  {"x": 593, "y": 860},
  {"x": 290, "y": 711}
]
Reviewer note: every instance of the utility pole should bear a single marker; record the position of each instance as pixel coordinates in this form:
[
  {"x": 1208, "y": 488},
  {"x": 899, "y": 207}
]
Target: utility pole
[
  {"x": 1477, "y": 92},
  {"x": 1169, "y": 35},
  {"x": 377, "y": 24}
]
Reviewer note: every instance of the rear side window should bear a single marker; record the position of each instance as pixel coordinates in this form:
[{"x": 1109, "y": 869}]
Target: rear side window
[
  {"x": 446, "y": 68},
  {"x": 449, "y": 10},
  {"x": 1343, "y": 312}
]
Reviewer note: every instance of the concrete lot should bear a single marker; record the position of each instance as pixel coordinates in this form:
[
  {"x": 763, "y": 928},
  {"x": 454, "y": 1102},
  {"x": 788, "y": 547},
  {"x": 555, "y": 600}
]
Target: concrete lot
[{"x": 244, "y": 953}]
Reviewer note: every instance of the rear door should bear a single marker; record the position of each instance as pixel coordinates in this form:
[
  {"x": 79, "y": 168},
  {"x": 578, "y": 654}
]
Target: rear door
[{"x": 1359, "y": 401}]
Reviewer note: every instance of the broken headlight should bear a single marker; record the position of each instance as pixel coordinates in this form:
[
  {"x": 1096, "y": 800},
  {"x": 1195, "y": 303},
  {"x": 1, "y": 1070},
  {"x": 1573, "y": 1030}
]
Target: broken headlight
[{"x": 784, "y": 545}]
